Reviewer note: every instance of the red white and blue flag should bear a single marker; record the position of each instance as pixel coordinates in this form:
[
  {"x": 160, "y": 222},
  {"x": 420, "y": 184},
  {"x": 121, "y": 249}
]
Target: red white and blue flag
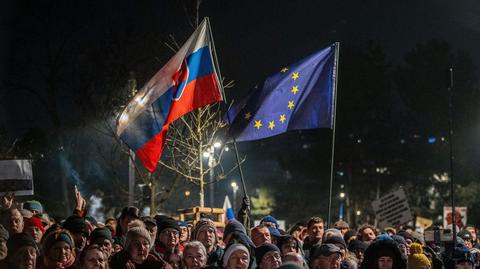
[{"x": 186, "y": 82}]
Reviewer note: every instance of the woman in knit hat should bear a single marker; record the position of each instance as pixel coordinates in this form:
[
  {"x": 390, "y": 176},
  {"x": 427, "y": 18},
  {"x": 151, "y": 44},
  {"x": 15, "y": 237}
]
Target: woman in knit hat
[
  {"x": 236, "y": 256},
  {"x": 417, "y": 259},
  {"x": 137, "y": 254},
  {"x": 59, "y": 250},
  {"x": 92, "y": 257}
]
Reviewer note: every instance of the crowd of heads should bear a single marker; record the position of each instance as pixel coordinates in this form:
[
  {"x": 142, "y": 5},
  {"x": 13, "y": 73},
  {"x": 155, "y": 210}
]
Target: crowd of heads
[{"x": 29, "y": 238}]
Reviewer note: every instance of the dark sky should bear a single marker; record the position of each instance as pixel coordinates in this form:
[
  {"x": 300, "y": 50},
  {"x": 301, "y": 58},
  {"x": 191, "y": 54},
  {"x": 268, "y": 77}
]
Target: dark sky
[{"x": 254, "y": 39}]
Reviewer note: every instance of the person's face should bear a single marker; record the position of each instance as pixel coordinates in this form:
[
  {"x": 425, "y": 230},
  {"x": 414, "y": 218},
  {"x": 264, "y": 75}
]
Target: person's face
[
  {"x": 464, "y": 265},
  {"x": 409, "y": 243},
  {"x": 343, "y": 230},
  {"x": 328, "y": 262},
  {"x": 3, "y": 248},
  {"x": 288, "y": 247},
  {"x": 35, "y": 232},
  {"x": 15, "y": 222},
  {"x": 271, "y": 260},
  {"x": 117, "y": 248},
  {"x": 152, "y": 229},
  {"x": 403, "y": 249},
  {"x": 468, "y": 244},
  {"x": 238, "y": 260},
  {"x": 473, "y": 232},
  {"x": 183, "y": 234},
  {"x": 368, "y": 235},
  {"x": 315, "y": 231},
  {"x": 80, "y": 240},
  {"x": 105, "y": 245},
  {"x": 359, "y": 254},
  {"x": 60, "y": 252},
  {"x": 385, "y": 262},
  {"x": 139, "y": 250},
  {"x": 260, "y": 236},
  {"x": 169, "y": 238},
  {"x": 194, "y": 258},
  {"x": 95, "y": 259},
  {"x": 206, "y": 235},
  {"x": 25, "y": 258}
]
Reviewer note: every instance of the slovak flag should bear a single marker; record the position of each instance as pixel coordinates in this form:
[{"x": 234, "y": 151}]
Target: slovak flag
[
  {"x": 186, "y": 82},
  {"x": 227, "y": 206}
]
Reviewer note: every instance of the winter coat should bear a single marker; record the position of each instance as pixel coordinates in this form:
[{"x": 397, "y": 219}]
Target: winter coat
[{"x": 215, "y": 258}]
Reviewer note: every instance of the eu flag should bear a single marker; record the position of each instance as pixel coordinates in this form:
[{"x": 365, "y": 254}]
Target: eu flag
[{"x": 300, "y": 96}]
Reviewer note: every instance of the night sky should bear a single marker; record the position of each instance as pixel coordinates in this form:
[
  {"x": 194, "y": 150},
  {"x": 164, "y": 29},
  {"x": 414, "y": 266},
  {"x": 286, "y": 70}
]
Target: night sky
[{"x": 100, "y": 42}]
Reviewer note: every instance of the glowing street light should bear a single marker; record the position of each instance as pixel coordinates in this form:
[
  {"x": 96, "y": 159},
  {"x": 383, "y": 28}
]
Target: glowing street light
[
  {"x": 342, "y": 195},
  {"x": 234, "y": 186},
  {"x": 217, "y": 144},
  {"x": 359, "y": 212}
]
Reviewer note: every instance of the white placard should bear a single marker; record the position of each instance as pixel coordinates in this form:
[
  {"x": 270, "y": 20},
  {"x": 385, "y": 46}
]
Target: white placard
[
  {"x": 16, "y": 176},
  {"x": 392, "y": 209}
]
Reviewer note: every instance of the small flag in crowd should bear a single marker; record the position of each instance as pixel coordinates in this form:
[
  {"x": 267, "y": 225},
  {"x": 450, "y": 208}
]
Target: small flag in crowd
[
  {"x": 300, "y": 96},
  {"x": 227, "y": 206},
  {"x": 186, "y": 82}
]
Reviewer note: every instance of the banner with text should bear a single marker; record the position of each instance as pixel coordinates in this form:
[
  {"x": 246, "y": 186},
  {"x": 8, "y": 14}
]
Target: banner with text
[{"x": 392, "y": 209}]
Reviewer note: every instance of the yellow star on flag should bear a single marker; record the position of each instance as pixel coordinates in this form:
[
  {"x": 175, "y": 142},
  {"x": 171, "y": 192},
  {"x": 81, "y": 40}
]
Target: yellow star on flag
[
  {"x": 258, "y": 124},
  {"x": 284, "y": 70},
  {"x": 295, "y": 75},
  {"x": 290, "y": 105},
  {"x": 271, "y": 125},
  {"x": 282, "y": 118},
  {"x": 248, "y": 115},
  {"x": 294, "y": 89}
]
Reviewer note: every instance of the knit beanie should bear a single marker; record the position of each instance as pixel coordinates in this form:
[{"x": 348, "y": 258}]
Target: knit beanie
[
  {"x": 17, "y": 241},
  {"x": 264, "y": 249},
  {"x": 33, "y": 205},
  {"x": 3, "y": 233},
  {"x": 35, "y": 222},
  {"x": 230, "y": 250},
  {"x": 136, "y": 232},
  {"x": 201, "y": 224},
  {"x": 417, "y": 259},
  {"x": 234, "y": 226},
  {"x": 101, "y": 233},
  {"x": 165, "y": 223},
  {"x": 58, "y": 236}
]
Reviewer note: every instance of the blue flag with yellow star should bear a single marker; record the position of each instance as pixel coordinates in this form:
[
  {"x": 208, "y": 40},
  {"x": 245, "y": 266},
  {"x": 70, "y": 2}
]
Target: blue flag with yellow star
[{"x": 300, "y": 96}]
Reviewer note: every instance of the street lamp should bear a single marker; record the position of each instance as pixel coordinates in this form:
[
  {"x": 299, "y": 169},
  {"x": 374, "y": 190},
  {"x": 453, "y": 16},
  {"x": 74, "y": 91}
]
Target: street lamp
[
  {"x": 235, "y": 189},
  {"x": 341, "y": 208}
]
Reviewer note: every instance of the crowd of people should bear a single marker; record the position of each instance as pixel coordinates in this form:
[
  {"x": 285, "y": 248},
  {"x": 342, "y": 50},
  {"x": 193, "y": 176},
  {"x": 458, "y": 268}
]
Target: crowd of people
[{"x": 29, "y": 238}]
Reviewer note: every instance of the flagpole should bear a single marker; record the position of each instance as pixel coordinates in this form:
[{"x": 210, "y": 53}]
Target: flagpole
[
  {"x": 450, "y": 137},
  {"x": 217, "y": 67},
  {"x": 335, "y": 74}
]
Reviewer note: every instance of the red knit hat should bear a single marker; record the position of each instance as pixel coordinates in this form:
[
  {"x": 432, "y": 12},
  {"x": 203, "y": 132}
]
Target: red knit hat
[{"x": 36, "y": 222}]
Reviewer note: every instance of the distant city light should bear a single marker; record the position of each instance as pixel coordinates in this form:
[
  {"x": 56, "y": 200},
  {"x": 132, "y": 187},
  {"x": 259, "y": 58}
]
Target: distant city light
[
  {"x": 187, "y": 193},
  {"x": 359, "y": 212},
  {"x": 227, "y": 148},
  {"x": 432, "y": 140},
  {"x": 217, "y": 144},
  {"x": 359, "y": 141},
  {"x": 402, "y": 141},
  {"x": 342, "y": 195}
]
